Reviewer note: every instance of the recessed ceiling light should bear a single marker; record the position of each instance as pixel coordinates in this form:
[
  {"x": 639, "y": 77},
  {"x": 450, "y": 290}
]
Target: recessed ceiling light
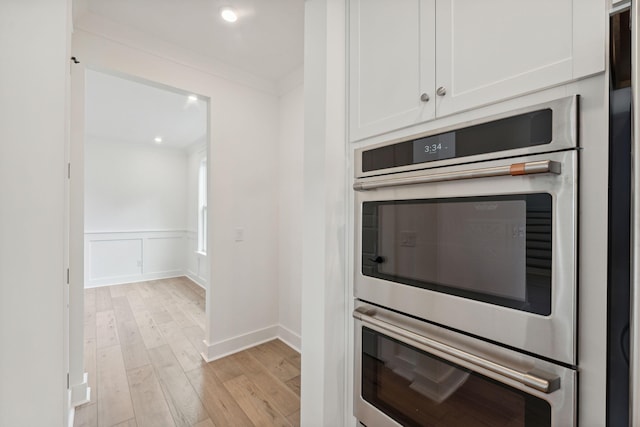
[
  {"x": 157, "y": 140},
  {"x": 192, "y": 98},
  {"x": 228, "y": 14}
]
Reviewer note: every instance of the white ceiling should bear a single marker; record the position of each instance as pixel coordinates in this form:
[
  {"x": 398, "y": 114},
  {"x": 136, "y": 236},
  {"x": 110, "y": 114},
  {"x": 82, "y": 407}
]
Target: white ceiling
[
  {"x": 121, "y": 110},
  {"x": 266, "y": 41}
]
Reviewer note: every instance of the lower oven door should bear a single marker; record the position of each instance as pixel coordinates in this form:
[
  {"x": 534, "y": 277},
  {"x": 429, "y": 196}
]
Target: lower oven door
[{"x": 412, "y": 373}]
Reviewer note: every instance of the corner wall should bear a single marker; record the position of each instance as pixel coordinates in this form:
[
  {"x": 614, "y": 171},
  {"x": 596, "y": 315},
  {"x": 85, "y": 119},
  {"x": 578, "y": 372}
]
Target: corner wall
[{"x": 290, "y": 214}]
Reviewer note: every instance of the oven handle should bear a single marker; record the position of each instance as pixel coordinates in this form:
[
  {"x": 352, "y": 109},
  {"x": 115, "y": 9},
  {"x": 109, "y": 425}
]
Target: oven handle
[
  {"x": 545, "y": 385},
  {"x": 528, "y": 168}
]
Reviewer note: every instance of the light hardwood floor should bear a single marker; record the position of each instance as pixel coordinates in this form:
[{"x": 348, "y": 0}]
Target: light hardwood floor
[{"x": 142, "y": 353}]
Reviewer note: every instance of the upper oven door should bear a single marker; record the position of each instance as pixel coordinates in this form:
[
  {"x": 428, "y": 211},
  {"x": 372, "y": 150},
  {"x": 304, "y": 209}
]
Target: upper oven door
[
  {"x": 476, "y": 249},
  {"x": 551, "y": 126}
]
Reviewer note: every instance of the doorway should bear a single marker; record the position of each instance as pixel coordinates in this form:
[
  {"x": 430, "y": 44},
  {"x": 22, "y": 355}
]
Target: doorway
[
  {"x": 144, "y": 182},
  {"x": 135, "y": 199}
]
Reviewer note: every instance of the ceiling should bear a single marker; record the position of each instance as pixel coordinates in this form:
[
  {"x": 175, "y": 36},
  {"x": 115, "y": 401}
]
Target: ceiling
[
  {"x": 266, "y": 40},
  {"x": 126, "y": 111}
]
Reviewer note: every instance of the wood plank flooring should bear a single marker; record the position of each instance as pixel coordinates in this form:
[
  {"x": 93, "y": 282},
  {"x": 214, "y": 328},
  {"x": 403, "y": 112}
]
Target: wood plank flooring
[{"x": 142, "y": 354}]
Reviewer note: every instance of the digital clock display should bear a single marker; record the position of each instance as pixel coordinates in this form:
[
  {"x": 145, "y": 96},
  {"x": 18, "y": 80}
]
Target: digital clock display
[{"x": 435, "y": 147}]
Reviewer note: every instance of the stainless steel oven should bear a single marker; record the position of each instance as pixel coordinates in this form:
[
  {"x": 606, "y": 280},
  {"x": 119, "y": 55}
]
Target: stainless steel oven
[
  {"x": 474, "y": 228},
  {"x": 413, "y": 373}
]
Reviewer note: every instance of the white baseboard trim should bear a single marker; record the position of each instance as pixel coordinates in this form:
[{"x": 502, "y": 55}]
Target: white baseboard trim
[
  {"x": 290, "y": 338},
  {"x": 71, "y": 417},
  {"x": 197, "y": 280},
  {"x": 80, "y": 393},
  {"x": 133, "y": 279},
  {"x": 71, "y": 414},
  {"x": 233, "y": 345},
  {"x": 214, "y": 351}
]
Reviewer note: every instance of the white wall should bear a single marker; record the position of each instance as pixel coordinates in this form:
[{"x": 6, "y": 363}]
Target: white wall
[
  {"x": 290, "y": 214},
  {"x": 124, "y": 257},
  {"x": 135, "y": 212},
  {"x": 243, "y": 195},
  {"x": 242, "y": 305},
  {"x": 33, "y": 94},
  {"x": 134, "y": 187}
]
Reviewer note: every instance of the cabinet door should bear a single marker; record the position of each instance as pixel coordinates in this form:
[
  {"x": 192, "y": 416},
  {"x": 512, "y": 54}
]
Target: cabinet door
[
  {"x": 491, "y": 50},
  {"x": 391, "y": 64}
]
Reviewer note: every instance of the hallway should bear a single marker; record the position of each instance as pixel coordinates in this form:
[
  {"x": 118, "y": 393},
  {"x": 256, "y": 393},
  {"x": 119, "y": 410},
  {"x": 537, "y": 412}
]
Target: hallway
[{"x": 142, "y": 355}]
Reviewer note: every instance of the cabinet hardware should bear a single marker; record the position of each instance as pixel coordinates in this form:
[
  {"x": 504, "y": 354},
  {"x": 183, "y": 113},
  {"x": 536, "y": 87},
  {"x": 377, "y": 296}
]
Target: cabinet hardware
[
  {"x": 441, "y": 91},
  {"x": 424, "y": 97}
]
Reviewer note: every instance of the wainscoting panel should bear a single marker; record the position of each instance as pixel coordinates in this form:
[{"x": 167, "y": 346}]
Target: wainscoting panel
[
  {"x": 122, "y": 257},
  {"x": 114, "y": 259},
  {"x": 192, "y": 259},
  {"x": 196, "y": 263},
  {"x": 164, "y": 255}
]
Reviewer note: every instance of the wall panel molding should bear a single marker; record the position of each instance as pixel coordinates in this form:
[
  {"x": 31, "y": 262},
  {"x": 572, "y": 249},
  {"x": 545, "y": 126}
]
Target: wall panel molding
[
  {"x": 115, "y": 257},
  {"x": 196, "y": 264}
]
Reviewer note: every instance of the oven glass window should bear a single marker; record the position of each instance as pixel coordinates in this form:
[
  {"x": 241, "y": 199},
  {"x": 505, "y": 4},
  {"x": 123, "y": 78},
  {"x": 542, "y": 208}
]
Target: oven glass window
[
  {"x": 418, "y": 389},
  {"x": 495, "y": 249}
]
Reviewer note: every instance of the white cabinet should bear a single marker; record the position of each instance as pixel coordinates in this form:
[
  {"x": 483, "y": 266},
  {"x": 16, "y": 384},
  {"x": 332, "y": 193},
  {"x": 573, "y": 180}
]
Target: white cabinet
[
  {"x": 392, "y": 46},
  {"x": 469, "y": 52},
  {"x": 495, "y": 49}
]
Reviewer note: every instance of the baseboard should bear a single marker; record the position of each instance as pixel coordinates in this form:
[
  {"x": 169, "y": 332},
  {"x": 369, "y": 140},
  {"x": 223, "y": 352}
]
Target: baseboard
[
  {"x": 71, "y": 416},
  {"x": 290, "y": 338},
  {"x": 76, "y": 396},
  {"x": 71, "y": 410},
  {"x": 133, "y": 279},
  {"x": 233, "y": 345},
  {"x": 197, "y": 280},
  {"x": 80, "y": 393}
]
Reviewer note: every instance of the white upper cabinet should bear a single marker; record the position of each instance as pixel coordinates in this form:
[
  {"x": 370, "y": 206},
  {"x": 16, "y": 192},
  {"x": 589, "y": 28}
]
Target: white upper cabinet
[
  {"x": 491, "y": 50},
  {"x": 392, "y": 46},
  {"x": 463, "y": 54}
]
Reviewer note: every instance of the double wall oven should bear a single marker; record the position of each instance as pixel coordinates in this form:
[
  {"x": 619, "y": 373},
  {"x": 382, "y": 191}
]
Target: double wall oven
[{"x": 465, "y": 273}]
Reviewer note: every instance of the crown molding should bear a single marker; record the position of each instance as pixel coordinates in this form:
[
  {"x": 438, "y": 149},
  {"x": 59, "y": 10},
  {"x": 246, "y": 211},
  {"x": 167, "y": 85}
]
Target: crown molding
[
  {"x": 291, "y": 81},
  {"x": 98, "y": 26}
]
